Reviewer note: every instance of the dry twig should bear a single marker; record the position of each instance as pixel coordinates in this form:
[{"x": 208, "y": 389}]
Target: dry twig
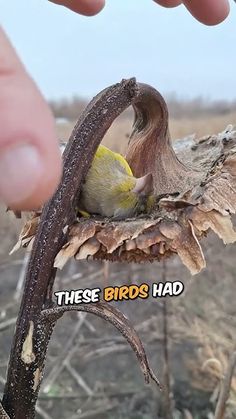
[
  {"x": 95, "y": 412},
  {"x": 7, "y": 323},
  {"x": 79, "y": 380},
  {"x": 21, "y": 278},
  {"x": 166, "y": 365},
  {"x": 41, "y": 412},
  {"x": 64, "y": 356},
  {"x": 225, "y": 388}
]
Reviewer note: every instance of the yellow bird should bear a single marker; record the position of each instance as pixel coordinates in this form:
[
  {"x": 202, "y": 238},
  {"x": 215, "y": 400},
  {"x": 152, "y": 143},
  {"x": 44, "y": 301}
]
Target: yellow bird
[{"x": 111, "y": 190}]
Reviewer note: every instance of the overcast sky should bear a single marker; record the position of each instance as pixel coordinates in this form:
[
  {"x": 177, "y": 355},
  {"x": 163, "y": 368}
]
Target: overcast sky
[{"x": 68, "y": 54}]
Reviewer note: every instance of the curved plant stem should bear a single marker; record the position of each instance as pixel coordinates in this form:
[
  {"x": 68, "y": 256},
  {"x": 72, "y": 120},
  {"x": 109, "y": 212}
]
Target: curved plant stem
[
  {"x": 33, "y": 333},
  {"x": 31, "y": 339},
  {"x": 150, "y": 148},
  {"x": 117, "y": 319}
]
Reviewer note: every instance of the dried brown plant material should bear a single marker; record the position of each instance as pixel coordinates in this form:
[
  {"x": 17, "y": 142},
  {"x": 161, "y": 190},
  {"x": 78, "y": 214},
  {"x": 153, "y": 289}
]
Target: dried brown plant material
[
  {"x": 193, "y": 196},
  {"x": 117, "y": 319},
  {"x": 194, "y": 183},
  {"x": 27, "y": 233}
]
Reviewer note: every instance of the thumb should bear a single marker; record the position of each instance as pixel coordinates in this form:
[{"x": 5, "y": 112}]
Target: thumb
[{"x": 30, "y": 163}]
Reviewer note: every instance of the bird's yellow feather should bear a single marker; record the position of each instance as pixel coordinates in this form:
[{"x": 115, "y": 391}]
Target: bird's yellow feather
[{"x": 110, "y": 189}]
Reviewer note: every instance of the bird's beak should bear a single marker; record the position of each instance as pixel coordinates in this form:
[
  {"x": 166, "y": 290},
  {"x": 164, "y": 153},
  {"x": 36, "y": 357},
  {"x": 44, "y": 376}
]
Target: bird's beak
[{"x": 144, "y": 185}]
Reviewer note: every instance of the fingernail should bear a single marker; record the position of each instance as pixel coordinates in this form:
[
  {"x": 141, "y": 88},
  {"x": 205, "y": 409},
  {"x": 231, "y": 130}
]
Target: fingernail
[{"x": 21, "y": 168}]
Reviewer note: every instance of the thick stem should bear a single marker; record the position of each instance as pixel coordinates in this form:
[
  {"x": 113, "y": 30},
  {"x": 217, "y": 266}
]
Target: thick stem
[
  {"x": 153, "y": 154},
  {"x": 150, "y": 148},
  {"x": 3, "y": 414},
  {"x": 32, "y": 337}
]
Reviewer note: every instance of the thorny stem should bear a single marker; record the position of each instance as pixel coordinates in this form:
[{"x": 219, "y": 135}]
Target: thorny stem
[{"x": 31, "y": 339}]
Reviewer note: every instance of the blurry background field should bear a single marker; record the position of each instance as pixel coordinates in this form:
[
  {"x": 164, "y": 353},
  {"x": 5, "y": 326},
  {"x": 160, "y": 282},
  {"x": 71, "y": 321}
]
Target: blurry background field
[
  {"x": 91, "y": 371},
  {"x": 195, "y": 116}
]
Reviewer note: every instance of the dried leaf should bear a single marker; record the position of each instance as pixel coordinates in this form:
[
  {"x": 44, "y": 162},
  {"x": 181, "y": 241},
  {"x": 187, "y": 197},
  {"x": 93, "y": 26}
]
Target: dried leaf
[
  {"x": 113, "y": 235},
  {"x": 188, "y": 248},
  {"x": 221, "y": 225},
  {"x": 89, "y": 248},
  {"x": 148, "y": 238},
  {"x": 130, "y": 245},
  {"x": 27, "y": 234},
  {"x": 78, "y": 235}
]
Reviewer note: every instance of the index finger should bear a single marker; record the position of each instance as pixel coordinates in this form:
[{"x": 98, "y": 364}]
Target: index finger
[
  {"x": 169, "y": 3},
  {"x": 210, "y": 12},
  {"x": 84, "y": 7}
]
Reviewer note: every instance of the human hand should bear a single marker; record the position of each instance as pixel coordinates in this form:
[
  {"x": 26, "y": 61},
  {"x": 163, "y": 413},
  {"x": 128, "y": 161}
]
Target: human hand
[
  {"x": 210, "y": 12},
  {"x": 84, "y": 7},
  {"x": 30, "y": 163}
]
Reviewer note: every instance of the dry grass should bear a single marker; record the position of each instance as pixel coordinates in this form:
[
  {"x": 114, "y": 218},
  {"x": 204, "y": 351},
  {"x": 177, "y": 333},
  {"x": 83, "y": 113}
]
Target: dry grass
[
  {"x": 117, "y": 136},
  {"x": 200, "y": 126}
]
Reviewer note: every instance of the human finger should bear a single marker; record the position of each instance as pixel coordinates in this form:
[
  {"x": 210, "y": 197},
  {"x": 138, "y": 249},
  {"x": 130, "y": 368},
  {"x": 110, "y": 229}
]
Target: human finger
[
  {"x": 30, "y": 162},
  {"x": 84, "y": 7},
  {"x": 210, "y": 12}
]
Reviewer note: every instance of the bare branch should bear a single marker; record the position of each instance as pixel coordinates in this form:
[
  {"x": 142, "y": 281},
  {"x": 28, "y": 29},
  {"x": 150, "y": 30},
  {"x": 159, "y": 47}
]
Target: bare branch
[
  {"x": 7, "y": 323},
  {"x": 104, "y": 351},
  {"x": 79, "y": 380},
  {"x": 106, "y": 273},
  {"x": 117, "y": 319},
  {"x": 225, "y": 388},
  {"x": 41, "y": 412},
  {"x": 2, "y": 380},
  {"x": 21, "y": 278},
  {"x": 91, "y": 414},
  {"x": 63, "y": 357},
  {"x": 167, "y": 383}
]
